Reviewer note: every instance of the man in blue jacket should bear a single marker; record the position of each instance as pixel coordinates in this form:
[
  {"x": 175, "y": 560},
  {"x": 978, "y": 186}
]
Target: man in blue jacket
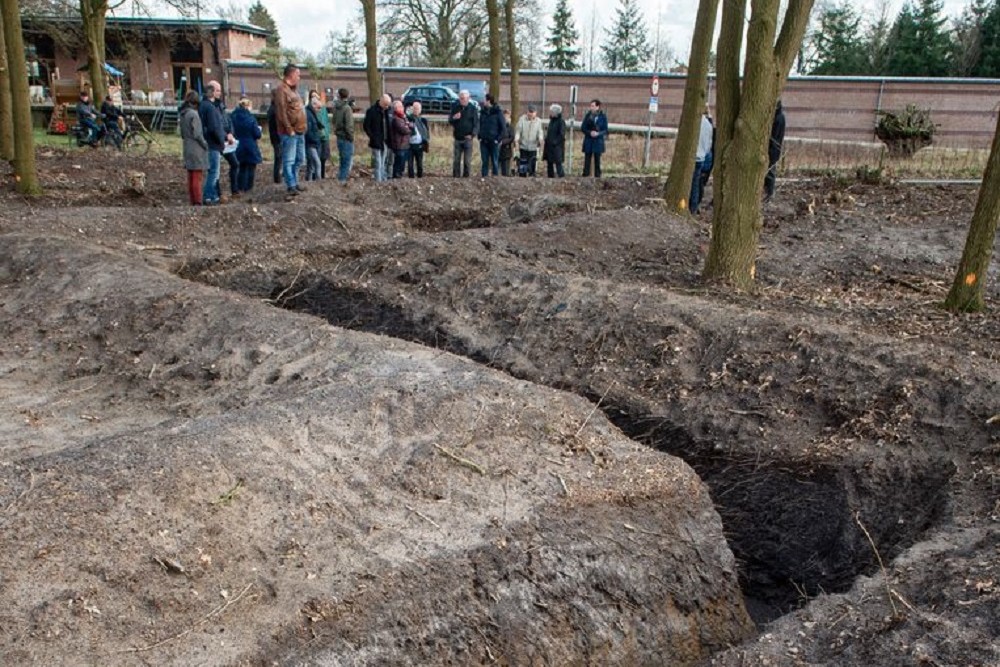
[
  {"x": 595, "y": 130},
  {"x": 215, "y": 135}
]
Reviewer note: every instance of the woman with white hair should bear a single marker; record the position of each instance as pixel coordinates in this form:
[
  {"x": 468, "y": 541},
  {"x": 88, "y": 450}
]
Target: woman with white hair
[{"x": 555, "y": 142}]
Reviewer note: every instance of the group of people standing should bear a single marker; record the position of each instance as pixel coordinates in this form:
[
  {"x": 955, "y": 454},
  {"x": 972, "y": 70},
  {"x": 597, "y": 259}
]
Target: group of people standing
[
  {"x": 210, "y": 134},
  {"x": 498, "y": 139},
  {"x": 399, "y": 139}
]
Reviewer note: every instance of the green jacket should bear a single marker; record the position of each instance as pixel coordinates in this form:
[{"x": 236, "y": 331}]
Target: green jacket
[
  {"x": 343, "y": 121},
  {"x": 323, "y": 116}
]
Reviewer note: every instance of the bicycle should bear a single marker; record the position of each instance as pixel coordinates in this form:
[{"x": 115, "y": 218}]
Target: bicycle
[{"x": 137, "y": 139}]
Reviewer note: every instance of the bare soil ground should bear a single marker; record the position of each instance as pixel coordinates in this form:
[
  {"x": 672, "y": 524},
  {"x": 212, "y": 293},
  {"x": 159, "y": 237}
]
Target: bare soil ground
[{"x": 847, "y": 429}]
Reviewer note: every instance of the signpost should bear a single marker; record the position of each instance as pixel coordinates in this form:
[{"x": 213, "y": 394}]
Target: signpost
[
  {"x": 573, "y": 92},
  {"x": 654, "y": 106}
]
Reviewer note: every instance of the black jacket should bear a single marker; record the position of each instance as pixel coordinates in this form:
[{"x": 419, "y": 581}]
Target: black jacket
[
  {"x": 376, "y": 126},
  {"x": 211, "y": 124},
  {"x": 272, "y": 126},
  {"x": 777, "y": 136},
  {"x": 468, "y": 123},
  {"x": 491, "y": 124},
  {"x": 555, "y": 140},
  {"x": 227, "y": 122},
  {"x": 507, "y": 142}
]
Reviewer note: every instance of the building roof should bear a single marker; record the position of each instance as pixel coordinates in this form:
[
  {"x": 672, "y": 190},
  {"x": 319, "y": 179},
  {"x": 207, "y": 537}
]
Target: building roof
[{"x": 158, "y": 23}]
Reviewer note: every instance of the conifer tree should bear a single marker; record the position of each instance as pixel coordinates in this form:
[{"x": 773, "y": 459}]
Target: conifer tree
[
  {"x": 877, "y": 40},
  {"x": 918, "y": 44},
  {"x": 988, "y": 63},
  {"x": 968, "y": 37},
  {"x": 562, "y": 53},
  {"x": 625, "y": 46},
  {"x": 837, "y": 42},
  {"x": 259, "y": 16}
]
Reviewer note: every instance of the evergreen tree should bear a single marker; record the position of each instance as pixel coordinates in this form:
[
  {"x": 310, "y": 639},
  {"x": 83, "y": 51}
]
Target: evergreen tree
[
  {"x": 876, "y": 41},
  {"x": 988, "y": 63},
  {"x": 562, "y": 53},
  {"x": 837, "y": 42},
  {"x": 918, "y": 44},
  {"x": 626, "y": 49},
  {"x": 343, "y": 48},
  {"x": 259, "y": 16},
  {"x": 968, "y": 38}
]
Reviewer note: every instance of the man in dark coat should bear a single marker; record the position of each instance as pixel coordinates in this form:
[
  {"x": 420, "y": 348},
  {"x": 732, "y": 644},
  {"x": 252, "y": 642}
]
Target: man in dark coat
[
  {"x": 376, "y": 126},
  {"x": 774, "y": 151},
  {"x": 275, "y": 137},
  {"x": 491, "y": 129},
  {"x": 595, "y": 130},
  {"x": 227, "y": 127},
  {"x": 215, "y": 136},
  {"x": 86, "y": 115},
  {"x": 506, "y": 144},
  {"x": 555, "y": 142},
  {"x": 464, "y": 120}
]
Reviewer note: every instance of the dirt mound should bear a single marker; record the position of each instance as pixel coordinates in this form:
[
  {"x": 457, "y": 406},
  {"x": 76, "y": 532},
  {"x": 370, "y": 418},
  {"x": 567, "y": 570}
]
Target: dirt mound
[
  {"x": 197, "y": 478},
  {"x": 845, "y": 426}
]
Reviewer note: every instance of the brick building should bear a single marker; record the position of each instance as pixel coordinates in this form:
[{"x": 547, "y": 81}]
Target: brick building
[{"x": 161, "y": 57}]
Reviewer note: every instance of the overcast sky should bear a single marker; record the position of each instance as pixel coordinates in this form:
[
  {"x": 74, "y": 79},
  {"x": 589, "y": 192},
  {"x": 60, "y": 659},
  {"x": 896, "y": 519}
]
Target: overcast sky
[{"x": 305, "y": 23}]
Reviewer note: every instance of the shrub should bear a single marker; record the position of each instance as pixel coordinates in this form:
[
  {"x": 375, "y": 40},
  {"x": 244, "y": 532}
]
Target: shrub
[{"x": 906, "y": 132}]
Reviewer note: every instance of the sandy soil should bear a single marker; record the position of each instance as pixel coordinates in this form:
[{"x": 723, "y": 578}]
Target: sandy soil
[{"x": 847, "y": 429}]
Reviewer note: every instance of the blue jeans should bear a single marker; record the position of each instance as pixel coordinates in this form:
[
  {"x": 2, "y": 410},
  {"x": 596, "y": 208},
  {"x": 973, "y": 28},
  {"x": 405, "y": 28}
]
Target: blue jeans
[
  {"x": 379, "y": 156},
  {"x": 314, "y": 166},
  {"x": 346, "y": 150},
  {"x": 694, "y": 199},
  {"x": 489, "y": 155},
  {"x": 210, "y": 190},
  {"x": 399, "y": 163},
  {"x": 293, "y": 156}
]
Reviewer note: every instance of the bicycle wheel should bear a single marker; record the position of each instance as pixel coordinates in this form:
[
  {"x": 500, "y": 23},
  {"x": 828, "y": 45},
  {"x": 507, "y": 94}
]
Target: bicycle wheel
[{"x": 137, "y": 144}]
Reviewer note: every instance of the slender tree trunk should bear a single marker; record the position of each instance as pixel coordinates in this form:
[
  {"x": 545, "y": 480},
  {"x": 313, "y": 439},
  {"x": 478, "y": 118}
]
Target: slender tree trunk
[
  {"x": 496, "y": 54},
  {"x": 6, "y": 118},
  {"x": 743, "y": 130},
  {"x": 515, "y": 59},
  {"x": 968, "y": 291},
  {"x": 94, "y": 15},
  {"x": 371, "y": 51},
  {"x": 678, "y": 186},
  {"x": 25, "y": 173}
]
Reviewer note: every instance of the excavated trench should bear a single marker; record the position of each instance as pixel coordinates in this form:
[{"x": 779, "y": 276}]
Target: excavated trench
[{"x": 797, "y": 528}]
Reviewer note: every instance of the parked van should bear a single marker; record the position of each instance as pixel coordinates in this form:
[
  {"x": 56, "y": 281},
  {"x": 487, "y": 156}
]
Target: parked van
[{"x": 477, "y": 89}]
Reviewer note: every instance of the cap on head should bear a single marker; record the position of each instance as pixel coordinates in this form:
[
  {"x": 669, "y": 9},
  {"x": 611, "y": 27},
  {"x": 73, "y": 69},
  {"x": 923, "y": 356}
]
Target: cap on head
[{"x": 531, "y": 108}]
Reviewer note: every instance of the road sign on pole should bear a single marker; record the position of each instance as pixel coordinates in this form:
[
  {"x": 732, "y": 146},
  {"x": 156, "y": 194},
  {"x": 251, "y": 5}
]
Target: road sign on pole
[{"x": 654, "y": 87}]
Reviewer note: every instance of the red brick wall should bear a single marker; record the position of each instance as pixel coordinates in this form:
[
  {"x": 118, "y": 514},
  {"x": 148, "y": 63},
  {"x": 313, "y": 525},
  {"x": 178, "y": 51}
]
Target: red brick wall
[{"x": 820, "y": 108}]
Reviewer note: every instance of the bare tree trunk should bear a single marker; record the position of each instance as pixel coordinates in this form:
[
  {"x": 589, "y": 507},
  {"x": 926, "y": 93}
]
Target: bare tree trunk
[
  {"x": 743, "y": 129},
  {"x": 678, "y": 186},
  {"x": 496, "y": 54},
  {"x": 967, "y": 293},
  {"x": 515, "y": 58},
  {"x": 371, "y": 51},
  {"x": 94, "y": 15},
  {"x": 6, "y": 119},
  {"x": 25, "y": 173}
]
